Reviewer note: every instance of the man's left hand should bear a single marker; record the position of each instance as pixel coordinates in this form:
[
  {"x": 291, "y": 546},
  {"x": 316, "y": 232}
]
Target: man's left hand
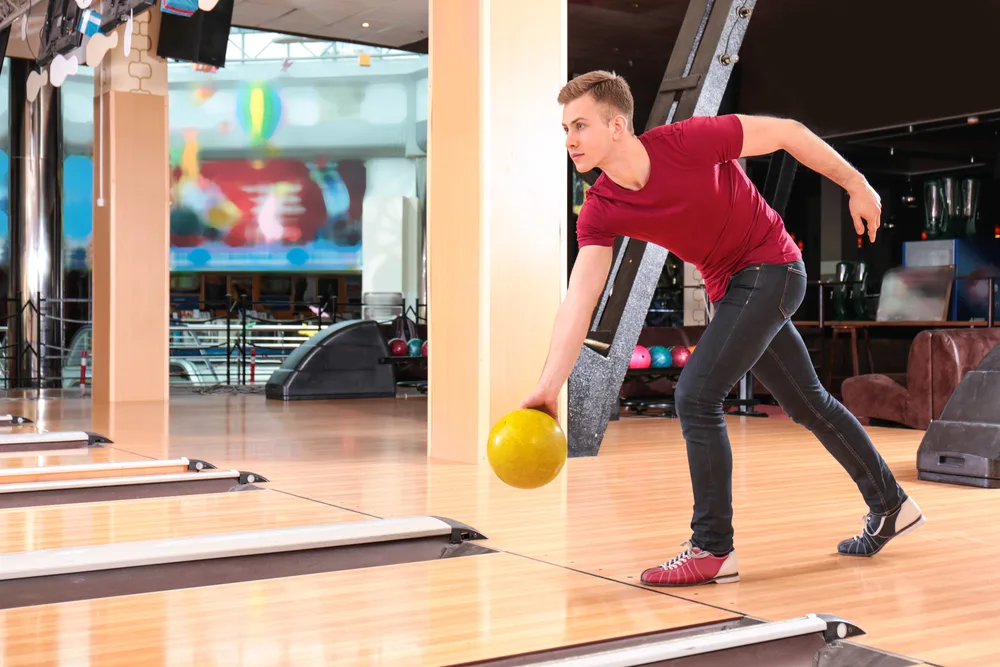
[{"x": 866, "y": 205}]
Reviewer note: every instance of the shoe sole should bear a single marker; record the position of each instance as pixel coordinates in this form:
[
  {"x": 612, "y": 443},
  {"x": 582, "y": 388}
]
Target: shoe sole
[
  {"x": 727, "y": 579},
  {"x": 913, "y": 526}
]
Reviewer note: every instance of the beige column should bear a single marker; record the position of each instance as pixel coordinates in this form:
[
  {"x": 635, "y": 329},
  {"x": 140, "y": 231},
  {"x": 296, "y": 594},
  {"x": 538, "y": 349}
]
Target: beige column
[
  {"x": 144, "y": 426},
  {"x": 497, "y": 211},
  {"x": 131, "y": 228}
]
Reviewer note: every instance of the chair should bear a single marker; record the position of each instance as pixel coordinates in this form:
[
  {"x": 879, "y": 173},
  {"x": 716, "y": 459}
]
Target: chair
[{"x": 937, "y": 362}]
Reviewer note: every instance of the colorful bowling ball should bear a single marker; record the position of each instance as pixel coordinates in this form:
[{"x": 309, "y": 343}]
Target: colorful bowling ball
[
  {"x": 660, "y": 357},
  {"x": 423, "y": 348},
  {"x": 397, "y": 347},
  {"x": 680, "y": 355},
  {"x": 640, "y": 358},
  {"x": 414, "y": 346},
  {"x": 527, "y": 449}
]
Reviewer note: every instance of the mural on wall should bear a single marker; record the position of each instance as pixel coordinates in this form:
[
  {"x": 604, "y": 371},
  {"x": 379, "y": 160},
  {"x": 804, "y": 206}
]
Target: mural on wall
[
  {"x": 265, "y": 214},
  {"x": 270, "y": 165},
  {"x": 252, "y": 209},
  {"x": 234, "y": 215}
]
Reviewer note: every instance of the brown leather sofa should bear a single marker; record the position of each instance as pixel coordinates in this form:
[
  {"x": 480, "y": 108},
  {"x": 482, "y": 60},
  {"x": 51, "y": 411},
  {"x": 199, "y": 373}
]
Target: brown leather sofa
[{"x": 938, "y": 360}]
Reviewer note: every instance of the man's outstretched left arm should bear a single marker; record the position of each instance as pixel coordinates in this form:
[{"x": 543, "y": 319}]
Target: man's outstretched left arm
[{"x": 763, "y": 135}]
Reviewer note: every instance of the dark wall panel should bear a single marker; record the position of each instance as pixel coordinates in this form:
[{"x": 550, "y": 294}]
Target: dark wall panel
[{"x": 857, "y": 64}]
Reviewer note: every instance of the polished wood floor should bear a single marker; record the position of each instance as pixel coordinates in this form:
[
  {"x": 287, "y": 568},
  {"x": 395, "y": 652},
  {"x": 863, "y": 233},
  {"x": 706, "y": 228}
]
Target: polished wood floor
[
  {"x": 76, "y": 457},
  {"x": 56, "y": 469},
  {"x": 113, "y": 522},
  {"x": 410, "y": 614},
  {"x": 932, "y": 595}
]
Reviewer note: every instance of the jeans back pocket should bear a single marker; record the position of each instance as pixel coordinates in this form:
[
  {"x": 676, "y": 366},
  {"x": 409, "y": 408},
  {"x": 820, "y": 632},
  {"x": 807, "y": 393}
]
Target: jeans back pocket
[{"x": 794, "y": 291}]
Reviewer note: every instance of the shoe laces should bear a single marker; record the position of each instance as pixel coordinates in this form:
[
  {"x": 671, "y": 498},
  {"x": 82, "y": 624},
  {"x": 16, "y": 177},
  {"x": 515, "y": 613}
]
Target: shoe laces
[
  {"x": 865, "y": 524},
  {"x": 680, "y": 558}
]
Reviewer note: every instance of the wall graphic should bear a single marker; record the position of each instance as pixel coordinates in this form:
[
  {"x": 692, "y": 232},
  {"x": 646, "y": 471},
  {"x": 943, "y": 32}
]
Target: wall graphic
[
  {"x": 265, "y": 214},
  {"x": 270, "y": 164},
  {"x": 234, "y": 215}
]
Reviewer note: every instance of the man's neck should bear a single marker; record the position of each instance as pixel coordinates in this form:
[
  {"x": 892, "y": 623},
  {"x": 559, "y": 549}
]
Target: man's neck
[{"x": 629, "y": 167}]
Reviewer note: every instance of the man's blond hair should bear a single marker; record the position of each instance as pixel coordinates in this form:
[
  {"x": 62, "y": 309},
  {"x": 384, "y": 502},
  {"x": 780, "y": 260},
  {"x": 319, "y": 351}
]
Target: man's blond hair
[{"x": 610, "y": 91}]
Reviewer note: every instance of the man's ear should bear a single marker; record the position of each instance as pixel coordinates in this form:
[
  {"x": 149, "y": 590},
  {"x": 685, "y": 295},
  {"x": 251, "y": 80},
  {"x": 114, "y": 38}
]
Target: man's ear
[{"x": 620, "y": 126}]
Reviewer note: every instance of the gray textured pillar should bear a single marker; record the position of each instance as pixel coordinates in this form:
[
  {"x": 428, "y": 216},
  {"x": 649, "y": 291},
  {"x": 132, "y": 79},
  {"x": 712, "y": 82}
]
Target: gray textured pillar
[
  {"x": 693, "y": 85},
  {"x": 35, "y": 225}
]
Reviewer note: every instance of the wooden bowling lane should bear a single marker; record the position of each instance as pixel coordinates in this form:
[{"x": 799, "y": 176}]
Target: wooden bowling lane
[
  {"x": 85, "y": 524},
  {"x": 15, "y": 420},
  {"x": 793, "y": 503},
  {"x": 436, "y": 612},
  {"x": 930, "y": 595},
  {"x": 50, "y": 473},
  {"x": 38, "y": 442},
  {"x": 68, "y": 452},
  {"x": 63, "y": 482},
  {"x": 68, "y": 457}
]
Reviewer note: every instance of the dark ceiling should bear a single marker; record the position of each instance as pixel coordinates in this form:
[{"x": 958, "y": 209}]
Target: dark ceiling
[
  {"x": 631, "y": 37},
  {"x": 839, "y": 67},
  {"x": 842, "y": 68},
  {"x": 965, "y": 144},
  {"x": 855, "y": 64}
]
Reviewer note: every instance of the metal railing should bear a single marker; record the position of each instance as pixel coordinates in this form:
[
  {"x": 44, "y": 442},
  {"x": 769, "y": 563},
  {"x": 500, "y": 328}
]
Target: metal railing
[{"x": 231, "y": 342}]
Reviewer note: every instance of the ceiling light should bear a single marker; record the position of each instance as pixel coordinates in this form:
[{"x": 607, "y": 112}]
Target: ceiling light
[{"x": 365, "y": 24}]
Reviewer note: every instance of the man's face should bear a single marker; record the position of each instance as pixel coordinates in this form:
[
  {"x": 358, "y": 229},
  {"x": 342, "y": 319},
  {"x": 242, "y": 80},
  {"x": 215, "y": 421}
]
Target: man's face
[{"x": 589, "y": 139}]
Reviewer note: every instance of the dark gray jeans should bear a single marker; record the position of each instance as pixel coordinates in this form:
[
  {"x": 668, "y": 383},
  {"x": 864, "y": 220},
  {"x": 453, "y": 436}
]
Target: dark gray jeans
[{"x": 750, "y": 330}]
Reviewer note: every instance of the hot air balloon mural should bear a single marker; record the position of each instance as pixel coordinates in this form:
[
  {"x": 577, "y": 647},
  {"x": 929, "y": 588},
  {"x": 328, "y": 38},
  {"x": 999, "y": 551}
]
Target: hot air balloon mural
[{"x": 259, "y": 111}]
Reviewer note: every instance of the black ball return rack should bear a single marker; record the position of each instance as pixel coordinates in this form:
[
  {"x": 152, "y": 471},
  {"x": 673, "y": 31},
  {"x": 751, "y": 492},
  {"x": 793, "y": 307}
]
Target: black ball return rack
[
  {"x": 663, "y": 406},
  {"x": 419, "y": 385}
]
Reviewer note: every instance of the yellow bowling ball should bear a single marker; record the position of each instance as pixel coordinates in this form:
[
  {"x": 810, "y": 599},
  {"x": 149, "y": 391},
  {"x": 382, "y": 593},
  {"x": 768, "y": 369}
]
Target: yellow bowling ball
[{"x": 527, "y": 449}]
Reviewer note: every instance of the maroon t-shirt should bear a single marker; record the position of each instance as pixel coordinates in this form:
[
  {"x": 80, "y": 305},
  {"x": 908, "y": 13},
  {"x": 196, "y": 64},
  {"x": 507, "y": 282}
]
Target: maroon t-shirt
[{"x": 699, "y": 204}]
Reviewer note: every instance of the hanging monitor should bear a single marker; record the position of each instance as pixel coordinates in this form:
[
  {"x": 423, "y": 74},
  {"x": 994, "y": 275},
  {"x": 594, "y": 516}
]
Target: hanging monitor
[
  {"x": 116, "y": 12},
  {"x": 202, "y": 38},
  {"x": 61, "y": 33}
]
